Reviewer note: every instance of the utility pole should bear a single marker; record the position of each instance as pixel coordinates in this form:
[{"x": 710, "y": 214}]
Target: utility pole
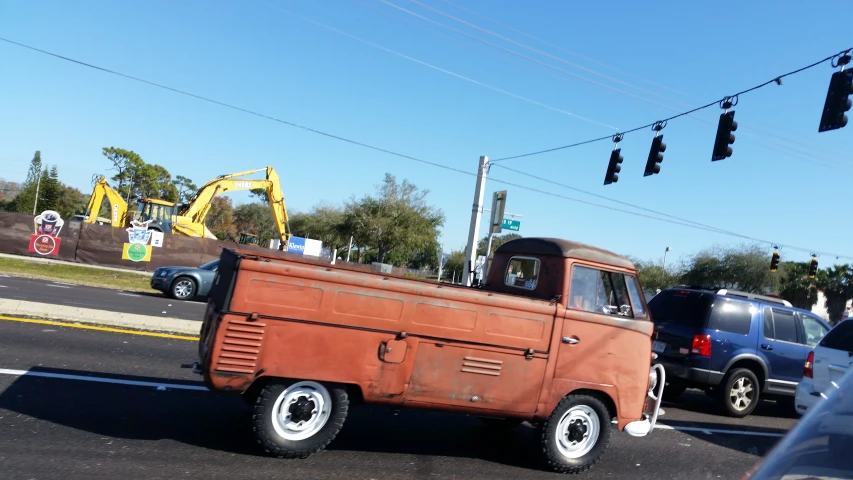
[
  {"x": 36, "y": 201},
  {"x": 474, "y": 230}
]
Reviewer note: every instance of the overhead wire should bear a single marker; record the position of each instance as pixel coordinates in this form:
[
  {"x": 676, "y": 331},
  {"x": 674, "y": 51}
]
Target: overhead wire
[
  {"x": 751, "y": 126},
  {"x": 696, "y": 109},
  {"x": 672, "y": 220},
  {"x": 440, "y": 69}
]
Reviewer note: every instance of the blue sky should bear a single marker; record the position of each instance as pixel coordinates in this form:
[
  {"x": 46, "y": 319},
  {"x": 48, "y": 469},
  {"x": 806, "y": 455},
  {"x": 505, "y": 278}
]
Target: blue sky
[{"x": 784, "y": 183}]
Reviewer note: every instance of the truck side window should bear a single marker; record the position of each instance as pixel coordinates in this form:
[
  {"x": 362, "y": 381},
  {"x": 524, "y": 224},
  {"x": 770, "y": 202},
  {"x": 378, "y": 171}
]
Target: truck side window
[
  {"x": 598, "y": 291},
  {"x": 637, "y": 297},
  {"x": 522, "y": 272}
]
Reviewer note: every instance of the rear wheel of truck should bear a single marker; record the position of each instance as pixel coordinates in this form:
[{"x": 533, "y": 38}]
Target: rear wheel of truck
[
  {"x": 576, "y": 434},
  {"x": 298, "y": 419}
]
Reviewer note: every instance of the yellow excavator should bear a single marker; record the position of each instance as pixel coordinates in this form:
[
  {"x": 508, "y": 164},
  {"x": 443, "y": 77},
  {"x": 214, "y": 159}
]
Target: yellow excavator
[
  {"x": 168, "y": 217},
  {"x": 117, "y": 205}
]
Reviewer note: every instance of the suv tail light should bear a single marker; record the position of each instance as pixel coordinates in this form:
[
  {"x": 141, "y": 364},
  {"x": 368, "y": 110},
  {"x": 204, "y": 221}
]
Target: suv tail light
[
  {"x": 807, "y": 369},
  {"x": 701, "y": 345}
]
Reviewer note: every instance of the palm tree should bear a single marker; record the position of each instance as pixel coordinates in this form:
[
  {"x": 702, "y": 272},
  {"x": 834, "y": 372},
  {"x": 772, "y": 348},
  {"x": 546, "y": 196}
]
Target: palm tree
[{"x": 837, "y": 288}]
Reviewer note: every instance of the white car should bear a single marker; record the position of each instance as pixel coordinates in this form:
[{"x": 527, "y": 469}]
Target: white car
[{"x": 826, "y": 364}]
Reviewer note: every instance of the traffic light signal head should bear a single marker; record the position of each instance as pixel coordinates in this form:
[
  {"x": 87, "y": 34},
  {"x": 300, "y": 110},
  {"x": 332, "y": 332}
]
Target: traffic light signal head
[
  {"x": 724, "y": 136},
  {"x": 837, "y": 101},
  {"x": 774, "y": 261},
  {"x": 812, "y": 267},
  {"x": 655, "y": 156},
  {"x": 614, "y": 167}
]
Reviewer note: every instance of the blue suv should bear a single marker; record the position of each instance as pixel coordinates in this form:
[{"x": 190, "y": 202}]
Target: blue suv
[{"x": 737, "y": 346}]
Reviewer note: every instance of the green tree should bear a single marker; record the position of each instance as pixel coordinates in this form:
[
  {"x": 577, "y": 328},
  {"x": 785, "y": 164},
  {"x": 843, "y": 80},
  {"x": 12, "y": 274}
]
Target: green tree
[
  {"x": 836, "y": 285},
  {"x": 71, "y": 201},
  {"x": 743, "y": 267},
  {"x": 185, "y": 187},
  {"x": 220, "y": 219},
  {"x": 653, "y": 276},
  {"x": 136, "y": 179},
  {"x": 397, "y": 219},
  {"x": 324, "y": 223},
  {"x": 455, "y": 263},
  {"x": 497, "y": 241},
  {"x": 255, "y": 218},
  {"x": 50, "y": 190},
  {"x": 124, "y": 162},
  {"x": 795, "y": 285},
  {"x": 25, "y": 201}
]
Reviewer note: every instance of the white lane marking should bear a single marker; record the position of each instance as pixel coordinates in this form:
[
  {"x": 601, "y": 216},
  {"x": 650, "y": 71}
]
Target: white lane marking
[
  {"x": 58, "y": 286},
  {"x": 3, "y": 286},
  {"x": 159, "y": 386},
  {"x": 710, "y": 431},
  {"x": 130, "y": 294},
  {"x": 69, "y": 284}
]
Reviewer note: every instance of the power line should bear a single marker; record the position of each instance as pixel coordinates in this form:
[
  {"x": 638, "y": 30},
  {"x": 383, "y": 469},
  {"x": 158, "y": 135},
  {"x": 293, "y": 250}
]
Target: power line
[
  {"x": 812, "y": 158},
  {"x": 672, "y": 220},
  {"x": 752, "y": 126},
  {"x": 442, "y": 70},
  {"x": 776, "y": 79}
]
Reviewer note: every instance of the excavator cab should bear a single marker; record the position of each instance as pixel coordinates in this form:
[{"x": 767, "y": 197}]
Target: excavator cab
[{"x": 160, "y": 212}]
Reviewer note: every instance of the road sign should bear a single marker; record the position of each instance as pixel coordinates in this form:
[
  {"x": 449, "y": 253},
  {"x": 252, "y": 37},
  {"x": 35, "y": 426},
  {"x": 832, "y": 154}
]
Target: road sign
[
  {"x": 508, "y": 224},
  {"x": 498, "y": 206}
]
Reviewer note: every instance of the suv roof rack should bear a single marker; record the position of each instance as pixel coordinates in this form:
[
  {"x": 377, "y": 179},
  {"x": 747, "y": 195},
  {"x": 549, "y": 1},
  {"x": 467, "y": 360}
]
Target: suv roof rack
[
  {"x": 754, "y": 296},
  {"x": 698, "y": 287}
]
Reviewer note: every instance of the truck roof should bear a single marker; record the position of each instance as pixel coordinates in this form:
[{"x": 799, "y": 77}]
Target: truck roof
[{"x": 557, "y": 247}]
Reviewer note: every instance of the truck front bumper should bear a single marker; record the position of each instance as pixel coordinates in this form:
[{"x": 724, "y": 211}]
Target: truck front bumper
[{"x": 641, "y": 428}]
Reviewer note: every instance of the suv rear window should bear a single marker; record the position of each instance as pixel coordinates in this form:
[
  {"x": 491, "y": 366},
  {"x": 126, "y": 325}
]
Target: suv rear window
[
  {"x": 731, "y": 316},
  {"x": 840, "y": 337},
  {"x": 681, "y": 307}
]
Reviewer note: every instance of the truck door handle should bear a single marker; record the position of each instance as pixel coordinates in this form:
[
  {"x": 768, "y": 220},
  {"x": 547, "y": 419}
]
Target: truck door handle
[
  {"x": 766, "y": 346},
  {"x": 571, "y": 340}
]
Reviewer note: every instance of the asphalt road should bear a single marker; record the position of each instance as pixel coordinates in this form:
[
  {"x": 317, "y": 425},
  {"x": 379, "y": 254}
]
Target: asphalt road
[
  {"x": 61, "y": 428},
  {"x": 155, "y": 303}
]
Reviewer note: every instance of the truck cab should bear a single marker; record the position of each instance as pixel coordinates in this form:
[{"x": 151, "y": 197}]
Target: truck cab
[{"x": 559, "y": 335}]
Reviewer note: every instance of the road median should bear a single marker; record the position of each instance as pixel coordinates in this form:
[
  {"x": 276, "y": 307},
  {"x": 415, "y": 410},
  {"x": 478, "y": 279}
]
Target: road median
[{"x": 90, "y": 316}]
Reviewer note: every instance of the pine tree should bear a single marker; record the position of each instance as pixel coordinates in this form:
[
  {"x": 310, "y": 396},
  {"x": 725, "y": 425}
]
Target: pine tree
[
  {"x": 25, "y": 201},
  {"x": 50, "y": 190}
]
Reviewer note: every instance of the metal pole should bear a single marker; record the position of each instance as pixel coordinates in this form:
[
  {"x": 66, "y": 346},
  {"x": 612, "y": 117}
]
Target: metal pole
[
  {"x": 488, "y": 254},
  {"x": 38, "y": 183},
  {"x": 349, "y": 250},
  {"x": 664, "y": 258},
  {"x": 474, "y": 230}
]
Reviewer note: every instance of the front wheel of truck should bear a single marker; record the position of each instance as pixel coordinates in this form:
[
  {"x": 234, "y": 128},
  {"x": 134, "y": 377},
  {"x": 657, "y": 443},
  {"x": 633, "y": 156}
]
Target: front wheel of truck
[
  {"x": 576, "y": 434},
  {"x": 298, "y": 419}
]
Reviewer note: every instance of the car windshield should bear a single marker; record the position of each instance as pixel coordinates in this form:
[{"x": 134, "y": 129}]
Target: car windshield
[{"x": 210, "y": 265}]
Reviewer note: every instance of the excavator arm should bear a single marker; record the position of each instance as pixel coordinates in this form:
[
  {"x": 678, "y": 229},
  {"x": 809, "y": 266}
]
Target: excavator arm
[
  {"x": 118, "y": 207},
  {"x": 191, "y": 220}
]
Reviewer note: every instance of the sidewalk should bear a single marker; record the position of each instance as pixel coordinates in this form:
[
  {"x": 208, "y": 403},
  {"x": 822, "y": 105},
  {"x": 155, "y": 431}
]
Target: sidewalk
[
  {"x": 51, "y": 261},
  {"x": 49, "y": 311}
]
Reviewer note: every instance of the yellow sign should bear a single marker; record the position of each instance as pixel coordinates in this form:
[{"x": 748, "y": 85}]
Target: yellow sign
[{"x": 136, "y": 252}]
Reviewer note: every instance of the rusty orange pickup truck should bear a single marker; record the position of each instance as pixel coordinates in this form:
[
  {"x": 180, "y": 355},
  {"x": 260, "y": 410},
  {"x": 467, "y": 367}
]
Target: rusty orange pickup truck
[{"x": 559, "y": 335}]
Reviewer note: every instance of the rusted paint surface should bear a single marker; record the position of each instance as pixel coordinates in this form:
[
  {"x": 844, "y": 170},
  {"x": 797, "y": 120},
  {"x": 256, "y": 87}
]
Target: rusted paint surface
[{"x": 451, "y": 348}]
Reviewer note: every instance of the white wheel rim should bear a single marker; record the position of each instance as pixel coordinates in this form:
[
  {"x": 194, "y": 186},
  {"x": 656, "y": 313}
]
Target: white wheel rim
[
  {"x": 301, "y": 410},
  {"x": 741, "y": 394},
  {"x": 183, "y": 287},
  {"x": 578, "y": 431}
]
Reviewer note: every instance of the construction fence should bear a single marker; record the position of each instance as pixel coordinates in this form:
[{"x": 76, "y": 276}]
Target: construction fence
[{"x": 104, "y": 245}]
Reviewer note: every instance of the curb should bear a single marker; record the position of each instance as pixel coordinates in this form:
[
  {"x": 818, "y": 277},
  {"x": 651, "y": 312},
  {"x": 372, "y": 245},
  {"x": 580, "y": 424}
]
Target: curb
[{"x": 91, "y": 316}]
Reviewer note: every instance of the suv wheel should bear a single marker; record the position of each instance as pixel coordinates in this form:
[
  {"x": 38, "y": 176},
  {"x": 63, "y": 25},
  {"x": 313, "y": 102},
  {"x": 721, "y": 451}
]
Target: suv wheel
[{"x": 738, "y": 394}]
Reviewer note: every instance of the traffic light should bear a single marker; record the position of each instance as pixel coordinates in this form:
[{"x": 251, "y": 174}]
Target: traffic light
[
  {"x": 724, "y": 136},
  {"x": 774, "y": 261},
  {"x": 614, "y": 167},
  {"x": 837, "y": 101},
  {"x": 812, "y": 267},
  {"x": 655, "y": 156}
]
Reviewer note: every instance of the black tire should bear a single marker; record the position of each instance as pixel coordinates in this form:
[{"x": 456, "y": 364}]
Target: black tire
[
  {"x": 595, "y": 411},
  {"x": 267, "y": 403},
  {"x": 673, "y": 389},
  {"x": 501, "y": 423},
  {"x": 183, "y": 288},
  {"x": 727, "y": 402}
]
